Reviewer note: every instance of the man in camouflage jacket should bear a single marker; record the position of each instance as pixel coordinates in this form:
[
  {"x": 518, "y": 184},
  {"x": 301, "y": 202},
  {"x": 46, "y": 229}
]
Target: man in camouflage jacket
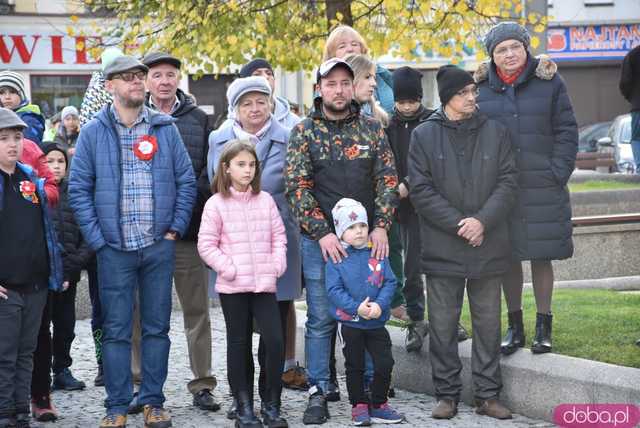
[{"x": 335, "y": 153}]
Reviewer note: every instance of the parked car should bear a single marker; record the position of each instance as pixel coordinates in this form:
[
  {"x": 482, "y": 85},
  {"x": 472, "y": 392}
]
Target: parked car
[
  {"x": 618, "y": 141},
  {"x": 589, "y": 157}
]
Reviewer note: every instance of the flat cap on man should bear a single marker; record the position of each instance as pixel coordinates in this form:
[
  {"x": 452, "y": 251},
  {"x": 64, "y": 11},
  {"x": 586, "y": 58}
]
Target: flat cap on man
[
  {"x": 155, "y": 58},
  {"x": 121, "y": 64}
]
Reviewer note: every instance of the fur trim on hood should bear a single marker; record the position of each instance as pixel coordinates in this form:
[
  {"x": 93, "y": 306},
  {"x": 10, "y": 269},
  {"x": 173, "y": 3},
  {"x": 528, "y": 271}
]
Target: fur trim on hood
[{"x": 545, "y": 70}]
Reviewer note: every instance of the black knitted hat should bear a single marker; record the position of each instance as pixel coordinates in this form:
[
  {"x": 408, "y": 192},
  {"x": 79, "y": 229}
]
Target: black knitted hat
[
  {"x": 407, "y": 84},
  {"x": 451, "y": 79},
  {"x": 248, "y": 69}
]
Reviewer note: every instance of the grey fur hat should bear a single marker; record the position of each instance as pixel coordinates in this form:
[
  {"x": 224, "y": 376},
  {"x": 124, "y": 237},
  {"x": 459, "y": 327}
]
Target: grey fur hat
[{"x": 506, "y": 31}]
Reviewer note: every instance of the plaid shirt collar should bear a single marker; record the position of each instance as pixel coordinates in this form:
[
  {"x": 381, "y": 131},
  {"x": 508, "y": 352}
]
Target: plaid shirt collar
[{"x": 143, "y": 116}]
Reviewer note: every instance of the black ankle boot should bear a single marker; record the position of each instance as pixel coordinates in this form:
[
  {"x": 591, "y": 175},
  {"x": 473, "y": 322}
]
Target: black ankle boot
[
  {"x": 542, "y": 341},
  {"x": 245, "y": 418},
  {"x": 271, "y": 415},
  {"x": 514, "y": 338}
]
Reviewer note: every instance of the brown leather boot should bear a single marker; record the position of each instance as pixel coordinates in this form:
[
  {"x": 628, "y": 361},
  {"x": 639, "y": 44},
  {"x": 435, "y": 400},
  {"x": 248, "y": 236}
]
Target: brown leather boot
[
  {"x": 492, "y": 408},
  {"x": 445, "y": 409}
]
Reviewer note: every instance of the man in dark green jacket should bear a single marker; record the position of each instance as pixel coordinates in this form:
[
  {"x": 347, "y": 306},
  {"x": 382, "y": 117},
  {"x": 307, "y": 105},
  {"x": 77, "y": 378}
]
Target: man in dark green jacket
[{"x": 462, "y": 179}]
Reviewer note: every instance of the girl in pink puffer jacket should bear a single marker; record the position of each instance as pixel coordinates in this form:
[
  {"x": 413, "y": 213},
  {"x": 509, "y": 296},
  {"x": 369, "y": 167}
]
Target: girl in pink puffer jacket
[{"x": 243, "y": 239}]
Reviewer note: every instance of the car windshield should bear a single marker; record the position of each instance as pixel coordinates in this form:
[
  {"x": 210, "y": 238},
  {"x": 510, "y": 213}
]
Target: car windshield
[{"x": 590, "y": 134}]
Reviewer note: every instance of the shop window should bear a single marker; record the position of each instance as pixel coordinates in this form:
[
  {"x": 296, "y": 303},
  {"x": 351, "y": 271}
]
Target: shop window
[{"x": 54, "y": 92}]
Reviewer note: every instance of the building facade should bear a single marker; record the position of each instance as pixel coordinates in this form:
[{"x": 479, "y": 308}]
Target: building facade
[{"x": 588, "y": 39}]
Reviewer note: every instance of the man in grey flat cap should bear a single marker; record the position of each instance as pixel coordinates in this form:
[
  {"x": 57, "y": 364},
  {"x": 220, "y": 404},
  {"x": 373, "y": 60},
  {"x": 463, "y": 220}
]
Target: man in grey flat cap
[
  {"x": 132, "y": 190},
  {"x": 190, "y": 275}
]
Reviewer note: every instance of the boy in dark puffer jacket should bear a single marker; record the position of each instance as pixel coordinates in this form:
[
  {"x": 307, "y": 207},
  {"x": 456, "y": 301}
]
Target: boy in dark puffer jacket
[{"x": 60, "y": 307}]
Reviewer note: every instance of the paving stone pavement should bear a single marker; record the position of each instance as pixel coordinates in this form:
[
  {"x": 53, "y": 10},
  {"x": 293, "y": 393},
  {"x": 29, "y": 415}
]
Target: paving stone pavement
[{"x": 85, "y": 408}]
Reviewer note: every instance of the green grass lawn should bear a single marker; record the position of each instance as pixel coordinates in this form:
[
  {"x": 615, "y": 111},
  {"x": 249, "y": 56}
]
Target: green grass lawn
[
  {"x": 591, "y": 185},
  {"x": 599, "y": 325}
]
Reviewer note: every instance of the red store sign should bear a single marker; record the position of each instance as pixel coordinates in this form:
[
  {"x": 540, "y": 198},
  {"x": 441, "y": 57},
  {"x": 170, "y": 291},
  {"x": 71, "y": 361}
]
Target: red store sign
[{"x": 26, "y": 50}]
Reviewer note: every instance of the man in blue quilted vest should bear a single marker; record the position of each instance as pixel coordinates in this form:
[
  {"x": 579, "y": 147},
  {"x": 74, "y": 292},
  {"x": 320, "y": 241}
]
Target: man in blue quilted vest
[{"x": 132, "y": 190}]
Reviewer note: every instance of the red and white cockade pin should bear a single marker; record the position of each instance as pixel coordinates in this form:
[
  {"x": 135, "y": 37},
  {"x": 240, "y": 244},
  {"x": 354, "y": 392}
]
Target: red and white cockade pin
[{"x": 145, "y": 147}]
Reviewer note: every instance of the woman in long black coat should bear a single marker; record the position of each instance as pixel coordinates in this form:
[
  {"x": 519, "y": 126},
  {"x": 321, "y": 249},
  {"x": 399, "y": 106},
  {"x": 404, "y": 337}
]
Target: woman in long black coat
[{"x": 528, "y": 96}]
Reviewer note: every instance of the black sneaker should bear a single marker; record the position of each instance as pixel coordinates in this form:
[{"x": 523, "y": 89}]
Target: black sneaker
[
  {"x": 232, "y": 411},
  {"x": 99, "y": 380},
  {"x": 204, "y": 400},
  {"x": 65, "y": 381},
  {"x": 317, "y": 411},
  {"x": 333, "y": 391}
]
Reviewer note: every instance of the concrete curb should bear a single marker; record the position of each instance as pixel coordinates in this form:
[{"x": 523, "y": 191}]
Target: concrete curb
[
  {"x": 620, "y": 283},
  {"x": 581, "y": 175},
  {"x": 533, "y": 384}
]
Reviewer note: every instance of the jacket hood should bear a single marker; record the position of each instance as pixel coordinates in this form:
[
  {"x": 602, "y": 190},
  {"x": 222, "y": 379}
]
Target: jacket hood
[
  {"x": 282, "y": 108},
  {"x": 317, "y": 113},
  {"x": 155, "y": 118},
  {"x": 544, "y": 68},
  {"x": 25, "y": 107}
]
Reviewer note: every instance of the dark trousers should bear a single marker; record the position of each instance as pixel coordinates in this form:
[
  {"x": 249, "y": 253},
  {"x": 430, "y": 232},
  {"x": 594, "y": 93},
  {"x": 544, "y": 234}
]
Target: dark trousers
[
  {"x": 414, "y": 287},
  {"x": 239, "y": 309},
  {"x": 20, "y": 317},
  {"x": 444, "y": 300},
  {"x": 378, "y": 343},
  {"x": 283, "y": 308},
  {"x": 96, "y": 312},
  {"x": 61, "y": 311}
]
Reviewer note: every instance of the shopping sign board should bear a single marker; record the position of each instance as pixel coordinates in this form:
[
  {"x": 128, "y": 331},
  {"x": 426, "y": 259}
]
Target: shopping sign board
[
  {"x": 591, "y": 42},
  {"x": 22, "y": 49}
]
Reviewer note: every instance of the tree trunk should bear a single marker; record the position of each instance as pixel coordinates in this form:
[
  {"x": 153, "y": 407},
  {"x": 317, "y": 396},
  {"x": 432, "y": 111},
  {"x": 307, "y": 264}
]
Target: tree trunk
[{"x": 342, "y": 6}]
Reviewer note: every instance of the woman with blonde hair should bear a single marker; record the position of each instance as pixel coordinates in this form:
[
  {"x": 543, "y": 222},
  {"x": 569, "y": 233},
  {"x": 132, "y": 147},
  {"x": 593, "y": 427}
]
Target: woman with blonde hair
[
  {"x": 365, "y": 85},
  {"x": 344, "y": 41}
]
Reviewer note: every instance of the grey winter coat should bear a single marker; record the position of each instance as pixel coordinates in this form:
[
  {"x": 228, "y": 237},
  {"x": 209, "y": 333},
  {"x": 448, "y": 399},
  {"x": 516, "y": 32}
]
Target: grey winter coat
[
  {"x": 271, "y": 151},
  {"x": 538, "y": 114}
]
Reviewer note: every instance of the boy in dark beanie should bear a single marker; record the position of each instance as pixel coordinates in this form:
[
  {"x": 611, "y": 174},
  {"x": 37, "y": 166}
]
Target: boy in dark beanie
[
  {"x": 408, "y": 113},
  {"x": 463, "y": 184}
]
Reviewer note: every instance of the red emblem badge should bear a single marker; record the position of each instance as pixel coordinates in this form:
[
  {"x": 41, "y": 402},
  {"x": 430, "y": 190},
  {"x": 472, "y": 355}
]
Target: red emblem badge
[
  {"x": 145, "y": 147},
  {"x": 28, "y": 190}
]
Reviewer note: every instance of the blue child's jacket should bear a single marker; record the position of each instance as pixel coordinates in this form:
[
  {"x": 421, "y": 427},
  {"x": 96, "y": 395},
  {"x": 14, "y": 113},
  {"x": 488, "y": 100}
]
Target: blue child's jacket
[{"x": 350, "y": 282}]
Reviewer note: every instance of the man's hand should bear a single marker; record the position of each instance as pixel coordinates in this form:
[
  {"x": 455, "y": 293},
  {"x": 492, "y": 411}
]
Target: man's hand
[
  {"x": 364, "y": 310},
  {"x": 402, "y": 189},
  {"x": 375, "y": 310},
  {"x": 476, "y": 242},
  {"x": 65, "y": 286},
  {"x": 380, "y": 243},
  {"x": 71, "y": 151},
  {"x": 171, "y": 236},
  {"x": 331, "y": 247},
  {"x": 3, "y": 293},
  {"x": 470, "y": 229}
]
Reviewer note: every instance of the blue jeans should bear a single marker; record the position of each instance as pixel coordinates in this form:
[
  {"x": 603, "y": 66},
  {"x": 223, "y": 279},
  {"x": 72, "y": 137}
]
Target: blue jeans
[
  {"x": 320, "y": 323},
  {"x": 120, "y": 274}
]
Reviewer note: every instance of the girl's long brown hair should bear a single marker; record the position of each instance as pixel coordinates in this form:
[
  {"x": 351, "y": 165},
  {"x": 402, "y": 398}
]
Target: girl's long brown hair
[{"x": 221, "y": 180}]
